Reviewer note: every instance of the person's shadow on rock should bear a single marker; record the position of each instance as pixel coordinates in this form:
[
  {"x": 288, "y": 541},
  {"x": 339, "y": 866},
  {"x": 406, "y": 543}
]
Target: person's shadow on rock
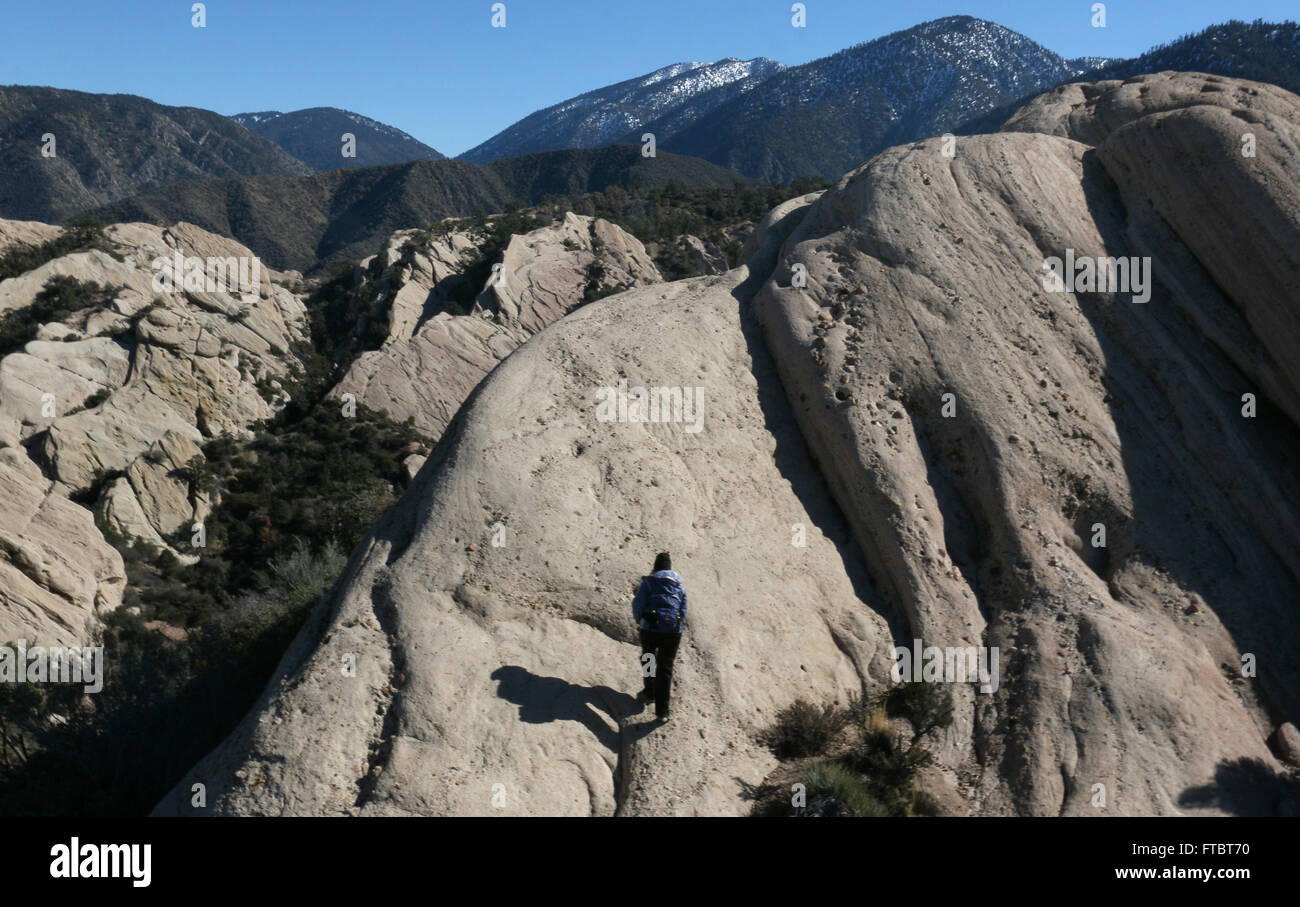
[
  {"x": 545, "y": 699},
  {"x": 1246, "y": 787}
]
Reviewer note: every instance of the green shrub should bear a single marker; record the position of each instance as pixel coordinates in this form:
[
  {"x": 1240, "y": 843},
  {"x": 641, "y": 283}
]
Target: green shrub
[
  {"x": 77, "y": 236},
  {"x": 888, "y": 770},
  {"x": 834, "y": 790},
  {"x": 928, "y": 706},
  {"x": 60, "y": 297},
  {"x": 803, "y": 729}
]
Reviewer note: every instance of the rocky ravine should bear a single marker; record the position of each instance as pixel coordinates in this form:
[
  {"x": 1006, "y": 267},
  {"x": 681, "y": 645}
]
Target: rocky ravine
[{"x": 444, "y": 671}]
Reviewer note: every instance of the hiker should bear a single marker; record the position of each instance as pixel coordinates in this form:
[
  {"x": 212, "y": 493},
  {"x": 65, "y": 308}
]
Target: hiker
[{"x": 659, "y": 609}]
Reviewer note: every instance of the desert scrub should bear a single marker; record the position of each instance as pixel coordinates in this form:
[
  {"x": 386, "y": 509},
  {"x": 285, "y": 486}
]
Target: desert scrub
[
  {"x": 875, "y": 775},
  {"x": 60, "y": 297},
  {"x": 804, "y": 729},
  {"x": 828, "y": 789}
]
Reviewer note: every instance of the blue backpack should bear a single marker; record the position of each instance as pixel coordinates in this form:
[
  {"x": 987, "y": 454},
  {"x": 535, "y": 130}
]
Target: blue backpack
[{"x": 665, "y": 604}]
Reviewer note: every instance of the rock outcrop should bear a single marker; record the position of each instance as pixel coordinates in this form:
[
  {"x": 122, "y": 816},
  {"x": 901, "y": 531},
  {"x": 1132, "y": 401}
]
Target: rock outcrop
[
  {"x": 433, "y": 357},
  {"x": 706, "y": 256},
  {"x": 1099, "y": 483},
  {"x": 494, "y": 676},
  {"x": 113, "y": 401},
  {"x": 152, "y": 372},
  {"x": 979, "y": 429}
]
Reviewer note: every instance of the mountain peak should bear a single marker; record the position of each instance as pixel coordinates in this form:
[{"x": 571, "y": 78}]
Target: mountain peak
[
  {"x": 610, "y": 114},
  {"x": 313, "y": 135}
]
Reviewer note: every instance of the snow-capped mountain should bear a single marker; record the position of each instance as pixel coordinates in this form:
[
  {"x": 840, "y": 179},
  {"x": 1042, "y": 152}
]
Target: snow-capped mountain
[
  {"x": 773, "y": 122},
  {"x": 832, "y": 114},
  {"x": 314, "y": 136},
  {"x": 608, "y": 114}
]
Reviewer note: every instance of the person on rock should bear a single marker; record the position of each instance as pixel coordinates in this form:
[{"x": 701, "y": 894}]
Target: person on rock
[{"x": 659, "y": 609}]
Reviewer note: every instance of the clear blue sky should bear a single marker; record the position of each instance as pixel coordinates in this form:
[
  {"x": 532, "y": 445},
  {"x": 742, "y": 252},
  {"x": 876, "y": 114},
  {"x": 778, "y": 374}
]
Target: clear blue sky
[{"x": 437, "y": 69}]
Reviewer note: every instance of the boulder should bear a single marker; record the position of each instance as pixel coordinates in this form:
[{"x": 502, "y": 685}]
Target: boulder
[{"x": 1286, "y": 739}]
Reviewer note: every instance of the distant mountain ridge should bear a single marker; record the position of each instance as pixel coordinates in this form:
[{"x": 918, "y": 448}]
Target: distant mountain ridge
[
  {"x": 1260, "y": 51},
  {"x": 110, "y": 146},
  {"x": 778, "y": 123},
  {"x": 120, "y": 154},
  {"x": 302, "y": 222},
  {"x": 955, "y": 74},
  {"x": 613, "y": 113},
  {"x": 315, "y": 137}
]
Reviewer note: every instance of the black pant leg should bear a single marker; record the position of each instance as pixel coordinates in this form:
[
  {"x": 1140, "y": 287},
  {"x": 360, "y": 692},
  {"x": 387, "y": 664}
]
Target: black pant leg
[
  {"x": 667, "y": 652},
  {"x": 648, "y": 647}
]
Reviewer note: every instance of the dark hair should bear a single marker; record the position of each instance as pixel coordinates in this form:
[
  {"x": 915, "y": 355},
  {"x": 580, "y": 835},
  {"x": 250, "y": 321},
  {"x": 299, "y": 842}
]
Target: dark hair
[{"x": 663, "y": 562}]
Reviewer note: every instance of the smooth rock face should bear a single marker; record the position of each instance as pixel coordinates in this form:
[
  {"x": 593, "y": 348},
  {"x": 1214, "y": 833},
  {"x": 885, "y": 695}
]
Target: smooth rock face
[
  {"x": 30, "y": 232},
  {"x": 1090, "y": 111},
  {"x": 1121, "y": 665},
  {"x": 978, "y": 429},
  {"x": 480, "y": 665},
  {"x": 433, "y": 357},
  {"x": 1217, "y": 159}
]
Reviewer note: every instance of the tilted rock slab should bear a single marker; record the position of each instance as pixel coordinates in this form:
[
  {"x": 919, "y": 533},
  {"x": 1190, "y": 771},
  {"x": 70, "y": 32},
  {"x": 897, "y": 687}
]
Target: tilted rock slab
[
  {"x": 1122, "y": 688},
  {"x": 57, "y": 574}
]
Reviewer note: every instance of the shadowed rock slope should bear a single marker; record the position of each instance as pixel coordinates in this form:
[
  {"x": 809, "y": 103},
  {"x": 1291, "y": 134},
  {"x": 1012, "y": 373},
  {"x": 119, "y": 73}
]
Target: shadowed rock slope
[
  {"x": 64, "y": 152},
  {"x": 444, "y": 670}
]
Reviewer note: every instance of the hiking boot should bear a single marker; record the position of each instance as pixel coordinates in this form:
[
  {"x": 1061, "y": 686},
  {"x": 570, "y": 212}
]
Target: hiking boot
[{"x": 664, "y": 718}]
